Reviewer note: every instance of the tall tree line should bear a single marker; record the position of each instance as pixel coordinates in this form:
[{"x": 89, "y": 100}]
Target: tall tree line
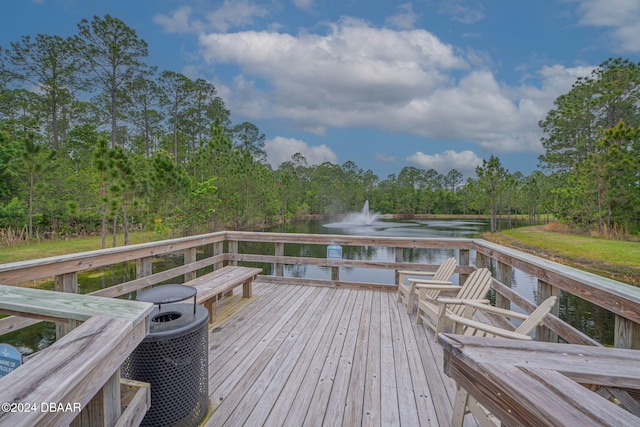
[
  {"x": 108, "y": 143},
  {"x": 93, "y": 139},
  {"x": 63, "y": 98},
  {"x": 592, "y": 151}
]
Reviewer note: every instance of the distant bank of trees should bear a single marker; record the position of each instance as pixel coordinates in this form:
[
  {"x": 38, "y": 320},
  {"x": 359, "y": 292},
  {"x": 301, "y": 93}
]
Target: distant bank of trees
[{"x": 95, "y": 140}]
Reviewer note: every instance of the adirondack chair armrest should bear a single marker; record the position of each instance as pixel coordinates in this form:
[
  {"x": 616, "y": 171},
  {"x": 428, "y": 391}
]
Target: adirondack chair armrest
[
  {"x": 499, "y": 332},
  {"x": 444, "y": 308},
  {"x": 417, "y": 273},
  {"x": 423, "y": 277},
  {"x": 434, "y": 290},
  {"x": 439, "y": 285},
  {"x": 413, "y": 282},
  {"x": 495, "y": 310},
  {"x": 480, "y": 303}
]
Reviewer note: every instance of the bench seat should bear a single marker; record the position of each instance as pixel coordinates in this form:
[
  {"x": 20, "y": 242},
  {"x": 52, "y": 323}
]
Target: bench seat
[{"x": 222, "y": 281}]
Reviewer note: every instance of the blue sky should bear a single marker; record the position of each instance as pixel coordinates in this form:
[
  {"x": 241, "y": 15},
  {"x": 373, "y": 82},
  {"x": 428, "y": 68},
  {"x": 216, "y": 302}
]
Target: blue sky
[{"x": 428, "y": 83}]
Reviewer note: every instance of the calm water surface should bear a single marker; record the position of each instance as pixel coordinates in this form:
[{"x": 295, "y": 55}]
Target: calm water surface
[{"x": 523, "y": 283}]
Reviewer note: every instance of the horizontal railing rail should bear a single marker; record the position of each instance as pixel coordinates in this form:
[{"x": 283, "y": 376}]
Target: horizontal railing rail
[{"x": 19, "y": 272}]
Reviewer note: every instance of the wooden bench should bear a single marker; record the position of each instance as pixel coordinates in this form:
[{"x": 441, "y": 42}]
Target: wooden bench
[{"x": 222, "y": 281}]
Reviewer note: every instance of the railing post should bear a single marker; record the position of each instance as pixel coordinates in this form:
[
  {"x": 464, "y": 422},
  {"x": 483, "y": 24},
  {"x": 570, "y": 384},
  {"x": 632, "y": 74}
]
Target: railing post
[
  {"x": 505, "y": 275},
  {"x": 335, "y": 273},
  {"x": 233, "y": 249},
  {"x": 399, "y": 258},
  {"x": 190, "y": 255},
  {"x": 144, "y": 267},
  {"x": 279, "y": 270},
  {"x": 218, "y": 248},
  {"x": 545, "y": 290},
  {"x": 463, "y": 261},
  {"x": 627, "y": 334},
  {"x": 66, "y": 283},
  {"x": 482, "y": 261},
  {"x": 104, "y": 408}
]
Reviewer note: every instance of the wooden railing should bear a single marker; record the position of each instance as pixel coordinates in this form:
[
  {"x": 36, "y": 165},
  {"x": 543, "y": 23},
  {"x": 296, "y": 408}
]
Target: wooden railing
[
  {"x": 77, "y": 379},
  {"x": 230, "y": 247},
  {"x": 621, "y": 299}
]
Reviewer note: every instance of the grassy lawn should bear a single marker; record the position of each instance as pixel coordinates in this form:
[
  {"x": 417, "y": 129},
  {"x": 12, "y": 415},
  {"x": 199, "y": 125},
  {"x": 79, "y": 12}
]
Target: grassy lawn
[
  {"x": 49, "y": 248},
  {"x": 612, "y": 258}
]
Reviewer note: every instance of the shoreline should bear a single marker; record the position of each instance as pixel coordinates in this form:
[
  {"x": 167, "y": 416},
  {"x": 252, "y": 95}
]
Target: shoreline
[{"x": 622, "y": 273}]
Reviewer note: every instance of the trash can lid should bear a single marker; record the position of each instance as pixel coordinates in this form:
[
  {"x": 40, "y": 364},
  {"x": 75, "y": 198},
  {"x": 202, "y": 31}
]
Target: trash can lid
[{"x": 167, "y": 294}]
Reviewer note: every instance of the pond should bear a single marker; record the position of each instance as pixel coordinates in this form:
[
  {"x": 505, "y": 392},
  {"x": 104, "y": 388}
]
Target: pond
[{"x": 523, "y": 283}]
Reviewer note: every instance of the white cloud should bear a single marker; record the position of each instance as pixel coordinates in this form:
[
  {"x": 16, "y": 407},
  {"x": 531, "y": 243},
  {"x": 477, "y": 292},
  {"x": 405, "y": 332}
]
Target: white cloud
[
  {"x": 408, "y": 81},
  {"x": 460, "y": 12},
  {"x": 354, "y": 66},
  {"x": 303, "y": 4},
  {"x": 229, "y": 15},
  {"x": 406, "y": 18},
  {"x": 464, "y": 161},
  {"x": 235, "y": 14},
  {"x": 280, "y": 150},
  {"x": 385, "y": 158},
  {"x": 177, "y": 22},
  {"x": 622, "y": 16}
]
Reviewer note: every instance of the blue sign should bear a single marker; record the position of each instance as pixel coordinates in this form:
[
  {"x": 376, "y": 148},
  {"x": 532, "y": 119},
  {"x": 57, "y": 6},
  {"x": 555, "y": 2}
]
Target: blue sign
[
  {"x": 10, "y": 359},
  {"x": 334, "y": 252}
]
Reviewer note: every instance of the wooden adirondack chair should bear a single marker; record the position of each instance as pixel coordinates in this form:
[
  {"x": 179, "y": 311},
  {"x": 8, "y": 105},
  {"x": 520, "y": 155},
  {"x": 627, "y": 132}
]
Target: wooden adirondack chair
[
  {"x": 464, "y": 325},
  {"x": 430, "y": 295},
  {"x": 465, "y": 403},
  {"x": 407, "y": 291}
]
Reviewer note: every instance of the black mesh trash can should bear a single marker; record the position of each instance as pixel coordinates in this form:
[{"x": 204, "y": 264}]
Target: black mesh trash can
[{"x": 173, "y": 358}]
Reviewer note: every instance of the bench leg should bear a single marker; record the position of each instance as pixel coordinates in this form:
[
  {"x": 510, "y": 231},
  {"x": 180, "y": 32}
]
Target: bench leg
[
  {"x": 247, "y": 290},
  {"x": 460, "y": 407},
  {"x": 211, "y": 308}
]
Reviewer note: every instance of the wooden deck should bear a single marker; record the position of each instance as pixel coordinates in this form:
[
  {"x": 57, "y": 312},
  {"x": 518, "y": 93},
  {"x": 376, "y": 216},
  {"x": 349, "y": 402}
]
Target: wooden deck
[
  {"x": 338, "y": 352},
  {"x": 306, "y": 355}
]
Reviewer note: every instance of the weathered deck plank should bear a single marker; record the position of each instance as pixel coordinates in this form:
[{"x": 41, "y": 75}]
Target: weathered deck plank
[
  {"x": 301, "y": 355},
  {"x": 424, "y": 404},
  {"x": 285, "y": 373},
  {"x": 252, "y": 351},
  {"x": 441, "y": 387},
  {"x": 389, "y": 411},
  {"x": 293, "y": 394},
  {"x": 372, "y": 388},
  {"x": 348, "y": 366},
  {"x": 352, "y": 415},
  {"x": 227, "y": 339},
  {"x": 406, "y": 400},
  {"x": 324, "y": 384},
  {"x": 256, "y": 378}
]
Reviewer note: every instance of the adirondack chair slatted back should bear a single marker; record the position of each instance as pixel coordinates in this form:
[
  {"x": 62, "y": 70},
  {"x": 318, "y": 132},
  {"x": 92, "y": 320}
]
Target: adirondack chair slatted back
[
  {"x": 466, "y": 403},
  {"x": 537, "y": 316},
  {"x": 444, "y": 272},
  {"x": 475, "y": 287},
  {"x": 526, "y": 327}
]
